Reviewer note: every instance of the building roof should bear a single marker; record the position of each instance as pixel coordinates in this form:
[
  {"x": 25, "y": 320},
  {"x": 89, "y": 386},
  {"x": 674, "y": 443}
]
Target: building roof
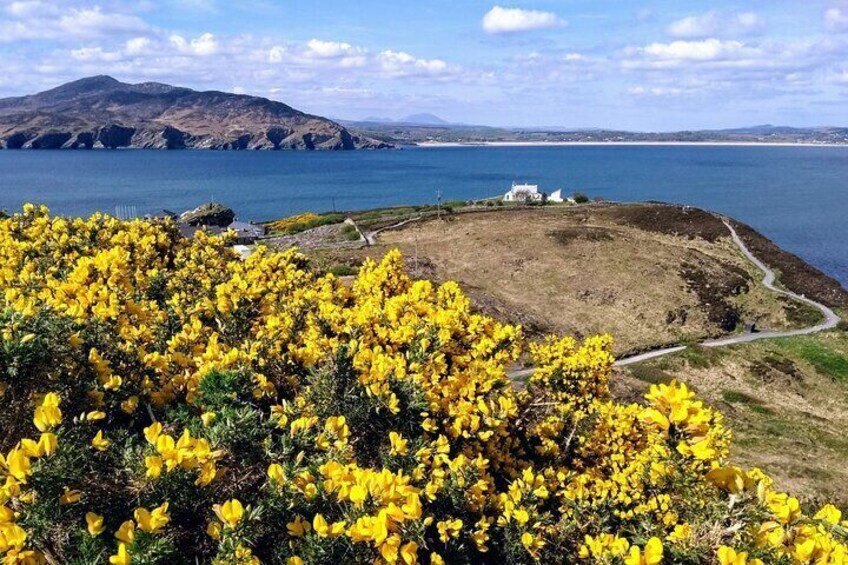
[{"x": 247, "y": 228}]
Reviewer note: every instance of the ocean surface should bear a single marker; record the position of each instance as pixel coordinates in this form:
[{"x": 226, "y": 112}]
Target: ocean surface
[{"x": 797, "y": 196}]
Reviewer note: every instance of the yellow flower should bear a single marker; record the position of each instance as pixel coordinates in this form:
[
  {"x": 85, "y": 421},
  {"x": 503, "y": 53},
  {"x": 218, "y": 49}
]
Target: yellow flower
[
  {"x": 298, "y": 527},
  {"x": 154, "y": 466},
  {"x": 230, "y": 513},
  {"x": 213, "y": 530},
  {"x": 728, "y": 556},
  {"x": 94, "y": 523},
  {"x": 70, "y": 496},
  {"x": 409, "y": 553},
  {"x": 48, "y": 415},
  {"x": 122, "y": 557},
  {"x": 152, "y": 522},
  {"x": 294, "y": 560},
  {"x": 449, "y": 529},
  {"x": 681, "y": 532},
  {"x": 276, "y": 474},
  {"x": 319, "y": 524},
  {"x": 652, "y": 554},
  {"x": 208, "y": 418},
  {"x": 398, "y": 443},
  {"x": 358, "y": 495},
  {"x": 47, "y": 443},
  {"x": 99, "y": 442},
  {"x": 129, "y": 405},
  {"x": 830, "y": 514},
  {"x": 151, "y": 432},
  {"x": 126, "y": 532}
]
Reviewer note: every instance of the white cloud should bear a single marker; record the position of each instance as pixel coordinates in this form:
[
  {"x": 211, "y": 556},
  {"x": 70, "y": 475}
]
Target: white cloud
[
  {"x": 330, "y": 49},
  {"x": 277, "y": 53},
  {"x": 511, "y": 20},
  {"x": 713, "y": 24},
  {"x": 836, "y": 19},
  {"x": 202, "y": 45},
  {"x": 94, "y": 54},
  {"x": 400, "y": 63},
  {"x": 33, "y": 20},
  {"x": 706, "y": 50},
  {"x": 654, "y": 91},
  {"x": 25, "y": 8},
  {"x": 136, "y": 45}
]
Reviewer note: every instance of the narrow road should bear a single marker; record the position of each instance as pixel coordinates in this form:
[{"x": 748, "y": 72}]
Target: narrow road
[
  {"x": 830, "y": 317},
  {"x": 371, "y": 237}
]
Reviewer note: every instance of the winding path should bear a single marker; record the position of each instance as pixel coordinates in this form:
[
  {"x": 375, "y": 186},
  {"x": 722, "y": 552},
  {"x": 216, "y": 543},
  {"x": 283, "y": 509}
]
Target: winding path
[{"x": 830, "y": 317}]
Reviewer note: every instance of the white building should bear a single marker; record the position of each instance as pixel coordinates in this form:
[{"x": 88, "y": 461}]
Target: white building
[
  {"x": 524, "y": 193},
  {"x": 556, "y": 196}
]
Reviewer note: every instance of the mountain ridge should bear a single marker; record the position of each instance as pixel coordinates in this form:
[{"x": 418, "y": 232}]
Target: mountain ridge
[{"x": 103, "y": 112}]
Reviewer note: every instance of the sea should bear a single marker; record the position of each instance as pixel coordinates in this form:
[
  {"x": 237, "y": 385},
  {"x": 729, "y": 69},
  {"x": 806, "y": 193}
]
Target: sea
[{"x": 795, "y": 195}]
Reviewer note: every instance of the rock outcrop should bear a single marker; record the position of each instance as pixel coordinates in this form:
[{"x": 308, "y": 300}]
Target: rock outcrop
[{"x": 101, "y": 112}]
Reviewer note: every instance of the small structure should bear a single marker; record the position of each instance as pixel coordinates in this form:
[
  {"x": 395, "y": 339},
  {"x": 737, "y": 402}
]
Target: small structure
[
  {"x": 246, "y": 233},
  {"x": 556, "y": 196},
  {"x": 188, "y": 231},
  {"x": 162, "y": 215},
  {"x": 524, "y": 193}
]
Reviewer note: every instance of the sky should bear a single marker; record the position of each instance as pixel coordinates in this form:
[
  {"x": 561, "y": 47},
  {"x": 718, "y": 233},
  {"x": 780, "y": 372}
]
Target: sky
[{"x": 653, "y": 65}]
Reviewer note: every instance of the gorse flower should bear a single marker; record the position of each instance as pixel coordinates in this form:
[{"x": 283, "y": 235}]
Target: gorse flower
[
  {"x": 370, "y": 422},
  {"x": 94, "y": 523},
  {"x": 230, "y": 513}
]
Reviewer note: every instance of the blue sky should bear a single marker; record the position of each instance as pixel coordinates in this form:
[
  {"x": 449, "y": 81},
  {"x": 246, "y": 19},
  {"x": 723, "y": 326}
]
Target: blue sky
[{"x": 642, "y": 65}]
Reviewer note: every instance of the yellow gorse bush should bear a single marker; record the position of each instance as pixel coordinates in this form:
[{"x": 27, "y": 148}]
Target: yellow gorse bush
[
  {"x": 293, "y": 222},
  {"x": 165, "y": 402}
]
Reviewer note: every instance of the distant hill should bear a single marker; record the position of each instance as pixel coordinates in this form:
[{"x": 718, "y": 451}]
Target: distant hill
[
  {"x": 425, "y": 120},
  {"x": 101, "y": 111},
  {"x": 412, "y": 120},
  {"x": 403, "y": 132}
]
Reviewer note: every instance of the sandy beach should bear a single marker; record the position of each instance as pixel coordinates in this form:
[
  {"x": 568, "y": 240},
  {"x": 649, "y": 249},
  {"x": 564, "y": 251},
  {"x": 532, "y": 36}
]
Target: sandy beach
[{"x": 438, "y": 144}]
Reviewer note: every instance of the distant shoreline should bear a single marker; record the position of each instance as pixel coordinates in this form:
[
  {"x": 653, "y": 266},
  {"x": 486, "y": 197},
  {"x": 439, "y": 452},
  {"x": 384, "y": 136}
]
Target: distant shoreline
[{"x": 445, "y": 144}]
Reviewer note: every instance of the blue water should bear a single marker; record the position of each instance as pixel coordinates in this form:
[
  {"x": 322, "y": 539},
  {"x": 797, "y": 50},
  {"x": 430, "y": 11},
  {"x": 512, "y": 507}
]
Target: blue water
[{"x": 797, "y": 196}]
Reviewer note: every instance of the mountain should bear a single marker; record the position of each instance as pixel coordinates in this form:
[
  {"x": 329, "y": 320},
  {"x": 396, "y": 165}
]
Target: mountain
[
  {"x": 424, "y": 120},
  {"x": 101, "y": 111}
]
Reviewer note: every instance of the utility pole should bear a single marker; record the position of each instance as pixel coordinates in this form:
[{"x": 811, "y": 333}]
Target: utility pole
[{"x": 439, "y": 204}]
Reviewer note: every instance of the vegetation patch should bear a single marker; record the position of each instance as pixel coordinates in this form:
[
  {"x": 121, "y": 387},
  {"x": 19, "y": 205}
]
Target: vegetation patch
[
  {"x": 302, "y": 222},
  {"x": 776, "y": 369},
  {"x": 800, "y": 314},
  {"x": 683, "y": 221},
  {"x": 650, "y": 374},
  {"x": 714, "y": 292},
  {"x": 572, "y": 234},
  {"x": 826, "y": 361}
]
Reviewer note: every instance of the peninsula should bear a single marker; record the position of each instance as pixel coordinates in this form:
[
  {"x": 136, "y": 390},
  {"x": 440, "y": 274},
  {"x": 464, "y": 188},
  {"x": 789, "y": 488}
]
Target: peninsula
[{"x": 102, "y": 112}]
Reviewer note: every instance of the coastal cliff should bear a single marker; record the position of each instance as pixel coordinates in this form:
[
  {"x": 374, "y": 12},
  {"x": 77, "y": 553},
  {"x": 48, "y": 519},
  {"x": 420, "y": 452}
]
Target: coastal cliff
[{"x": 102, "y": 112}]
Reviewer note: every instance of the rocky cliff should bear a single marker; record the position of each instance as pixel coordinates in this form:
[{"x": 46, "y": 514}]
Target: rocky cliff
[{"x": 101, "y": 112}]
